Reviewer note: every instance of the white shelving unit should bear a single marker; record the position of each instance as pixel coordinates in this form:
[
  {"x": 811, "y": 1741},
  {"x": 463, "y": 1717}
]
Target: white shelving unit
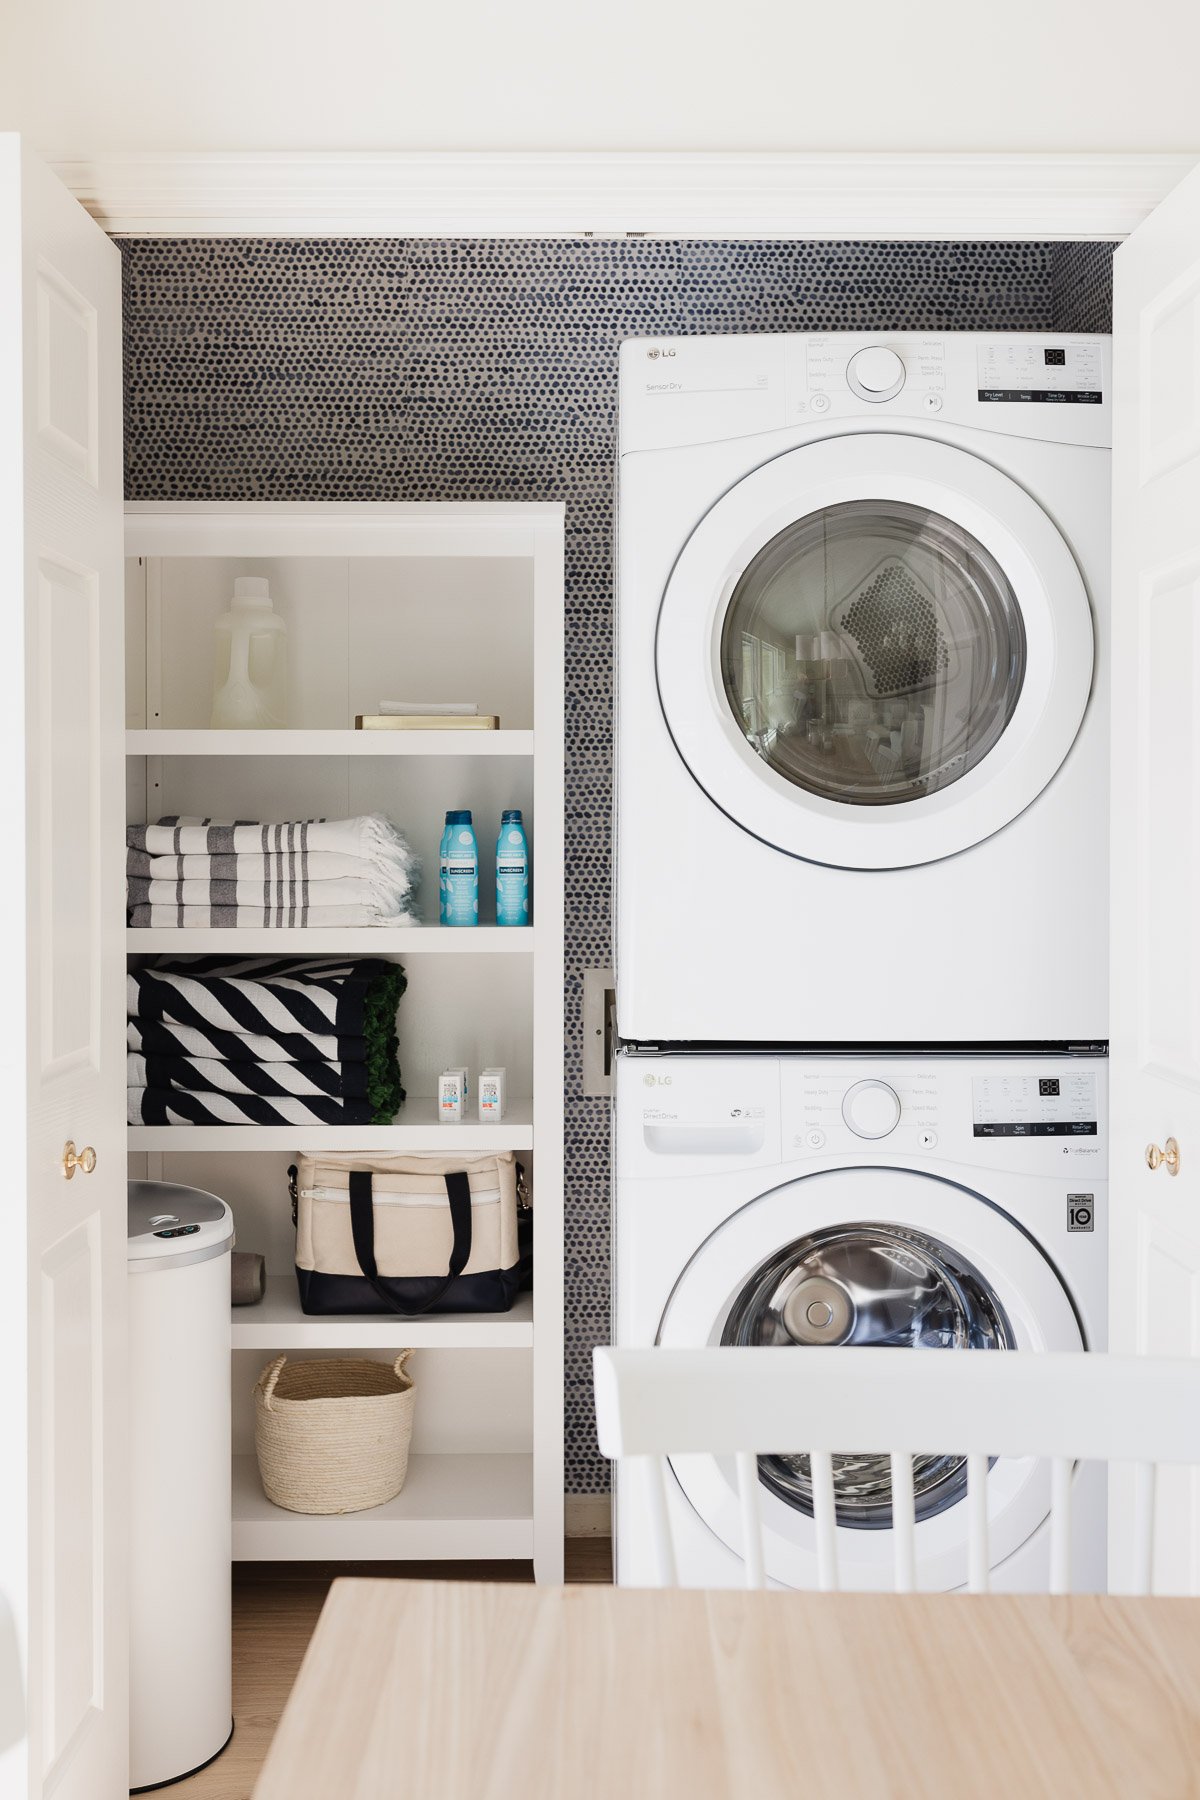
[{"x": 436, "y": 601}]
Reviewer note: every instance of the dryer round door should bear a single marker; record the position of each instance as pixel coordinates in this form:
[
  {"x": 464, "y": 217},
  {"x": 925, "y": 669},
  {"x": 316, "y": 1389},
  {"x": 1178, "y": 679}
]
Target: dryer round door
[
  {"x": 874, "y": 651},
  {"x": 883, "y": 1257}
]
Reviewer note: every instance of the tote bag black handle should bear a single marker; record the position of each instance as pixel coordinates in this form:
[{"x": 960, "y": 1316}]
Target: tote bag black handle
[{"x": 362, "y": 1226}]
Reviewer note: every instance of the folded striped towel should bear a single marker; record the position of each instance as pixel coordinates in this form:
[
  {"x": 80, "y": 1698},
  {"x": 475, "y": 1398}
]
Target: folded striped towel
[
  {"x": 286, "y": 914},
  {"x": 334, "y": 872},
  {"x": 319, "y": 865},
  {"x": 344, "y": 1006},
  {"x": 370, "y": 839},
  {"x": 209, "y": 1075},
  {"x": 153, "y": 1038},
  {"x": 173, "y": 1106}
]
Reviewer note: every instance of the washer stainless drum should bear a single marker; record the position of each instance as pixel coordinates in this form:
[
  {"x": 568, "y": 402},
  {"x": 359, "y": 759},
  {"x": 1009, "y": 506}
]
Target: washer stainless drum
[
  {"x": 750, "y": 1210},
  {"x": 860, "y": 679}
]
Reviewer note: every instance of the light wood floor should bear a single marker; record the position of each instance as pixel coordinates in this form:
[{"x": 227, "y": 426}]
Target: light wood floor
[{"x": 275, "y": 1607}]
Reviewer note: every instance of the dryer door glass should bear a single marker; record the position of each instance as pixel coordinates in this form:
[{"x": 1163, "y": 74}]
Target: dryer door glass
[
  {"x": 873, "y": 652},
  {"x": 879, "y": 1285}
]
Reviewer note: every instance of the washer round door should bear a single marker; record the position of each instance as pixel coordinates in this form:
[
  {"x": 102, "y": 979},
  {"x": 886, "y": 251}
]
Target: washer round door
[
  {"x": 884, "y": 1257},
  {"x": 874, "y": 651}
]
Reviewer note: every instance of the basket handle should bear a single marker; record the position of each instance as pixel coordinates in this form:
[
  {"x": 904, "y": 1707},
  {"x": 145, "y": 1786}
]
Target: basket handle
[
  {"x": 398, "y": 1365},
  {"x": 268, "y": 1378}
]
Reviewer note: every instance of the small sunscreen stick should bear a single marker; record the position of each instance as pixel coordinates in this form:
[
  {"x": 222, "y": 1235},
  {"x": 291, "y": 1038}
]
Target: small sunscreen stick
[
  {"x": 450, "y": 1097},
  {"x": 491, "y": 1096}
]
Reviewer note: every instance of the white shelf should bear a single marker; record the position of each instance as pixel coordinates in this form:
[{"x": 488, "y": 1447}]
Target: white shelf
[
  {"x": 329, "y": 743},
  {"x": 451, "y": 598},
  {"x": 277, "y": 1323},
  {"x": 367, "y": 940},
  {"x": 416, "y": 1127},
  {"x": 478, "y": 1506}
]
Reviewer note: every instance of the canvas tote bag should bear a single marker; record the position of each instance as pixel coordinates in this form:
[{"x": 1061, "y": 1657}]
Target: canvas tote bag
[{"x": 406, "y": 1234}]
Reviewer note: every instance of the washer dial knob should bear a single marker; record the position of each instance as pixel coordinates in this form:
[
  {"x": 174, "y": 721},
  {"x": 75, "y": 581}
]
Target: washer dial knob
[
  {"x": 871, "y": 1109},
  {"x": 876, "y": 373}
]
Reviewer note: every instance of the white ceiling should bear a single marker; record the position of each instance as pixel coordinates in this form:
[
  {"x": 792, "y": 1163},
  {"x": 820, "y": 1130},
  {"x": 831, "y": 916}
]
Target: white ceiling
[{"x": 1025, "y": 75}]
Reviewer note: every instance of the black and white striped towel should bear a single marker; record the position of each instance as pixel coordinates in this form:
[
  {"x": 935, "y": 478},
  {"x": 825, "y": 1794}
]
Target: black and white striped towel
[
  {"x": 319, "y": 997},
  {"x": 153, "y": 1038},
  {"x": 173, "y": 1106},
  {"x": 280, "y": 1080}
]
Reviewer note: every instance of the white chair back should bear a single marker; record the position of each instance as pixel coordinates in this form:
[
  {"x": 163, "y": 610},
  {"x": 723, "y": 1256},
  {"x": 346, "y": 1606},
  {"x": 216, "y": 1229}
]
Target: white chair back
[{"x": 745, "y": 1403}]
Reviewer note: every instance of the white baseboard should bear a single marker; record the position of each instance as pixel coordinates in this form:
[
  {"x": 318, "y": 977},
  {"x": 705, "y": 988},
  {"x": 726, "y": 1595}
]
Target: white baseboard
[
  {"x": 618, "y": 194},
  {"x": 588, "y": 1515}
]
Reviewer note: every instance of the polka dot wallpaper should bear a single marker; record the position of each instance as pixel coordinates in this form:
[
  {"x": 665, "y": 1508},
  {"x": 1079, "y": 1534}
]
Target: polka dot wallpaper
[{"x": 468, "y": 369}]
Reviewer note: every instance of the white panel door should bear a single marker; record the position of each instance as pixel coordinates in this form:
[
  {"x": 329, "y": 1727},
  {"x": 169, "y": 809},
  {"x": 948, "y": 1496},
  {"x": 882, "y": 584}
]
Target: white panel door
[
  {"x": 1155, "y": 1225},
  {"x": 62, "y": 1550}
]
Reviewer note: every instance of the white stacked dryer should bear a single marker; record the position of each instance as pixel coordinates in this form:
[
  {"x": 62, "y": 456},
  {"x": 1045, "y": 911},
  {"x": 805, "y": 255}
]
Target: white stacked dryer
[{"x": 861, "y": 737}]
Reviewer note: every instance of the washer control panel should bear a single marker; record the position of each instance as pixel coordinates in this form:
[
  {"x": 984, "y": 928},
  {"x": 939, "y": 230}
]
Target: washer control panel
[
  {"x": 1032, "y": 1115},
  {"x": 1050, "y": 1105}
]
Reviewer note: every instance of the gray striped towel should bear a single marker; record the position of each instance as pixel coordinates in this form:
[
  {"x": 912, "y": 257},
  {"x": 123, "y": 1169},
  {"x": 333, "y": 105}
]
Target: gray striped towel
[
  {"x": 371, "y": 839},
  {"x": 288, "y": 913},
  {"x": 275, "y": 875}
]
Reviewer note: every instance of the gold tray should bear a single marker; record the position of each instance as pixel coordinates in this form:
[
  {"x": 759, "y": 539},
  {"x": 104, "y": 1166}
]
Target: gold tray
[{"x": 426, "y": 722}]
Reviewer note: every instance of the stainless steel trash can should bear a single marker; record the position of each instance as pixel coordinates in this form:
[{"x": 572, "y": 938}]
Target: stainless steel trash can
[{"x": 180, "y": 1629}]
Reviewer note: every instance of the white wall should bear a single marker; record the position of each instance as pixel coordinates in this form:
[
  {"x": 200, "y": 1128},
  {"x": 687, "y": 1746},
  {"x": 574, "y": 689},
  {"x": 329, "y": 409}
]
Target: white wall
[{"x": 86, "y": 75}]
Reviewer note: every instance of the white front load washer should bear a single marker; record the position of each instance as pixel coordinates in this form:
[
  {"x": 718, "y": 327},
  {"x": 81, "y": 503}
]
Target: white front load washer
[
  {"x": 917, "y": 1201},
  {"x": 861, "y": 740}
]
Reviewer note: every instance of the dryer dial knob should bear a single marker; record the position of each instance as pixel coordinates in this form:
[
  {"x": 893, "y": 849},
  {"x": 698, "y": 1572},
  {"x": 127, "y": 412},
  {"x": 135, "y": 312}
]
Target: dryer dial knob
[
  {"x": 875, "y": 374},
  {"x": 871, "y": 1109}
]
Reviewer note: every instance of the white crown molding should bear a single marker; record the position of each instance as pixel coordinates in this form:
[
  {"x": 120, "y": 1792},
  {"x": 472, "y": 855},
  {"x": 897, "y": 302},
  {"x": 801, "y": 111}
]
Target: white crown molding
[{"x": 510, "y": 194}]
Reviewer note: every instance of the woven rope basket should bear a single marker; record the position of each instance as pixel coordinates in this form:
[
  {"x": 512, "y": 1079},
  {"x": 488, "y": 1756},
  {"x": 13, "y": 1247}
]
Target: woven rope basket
[{"x": 332, "y": 1436}]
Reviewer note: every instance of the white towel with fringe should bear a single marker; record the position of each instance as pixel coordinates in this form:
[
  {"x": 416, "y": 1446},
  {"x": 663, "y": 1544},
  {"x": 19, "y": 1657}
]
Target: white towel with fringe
[
  {"x": 371, "y": 839},
  {"x": 289, "y": 914}
]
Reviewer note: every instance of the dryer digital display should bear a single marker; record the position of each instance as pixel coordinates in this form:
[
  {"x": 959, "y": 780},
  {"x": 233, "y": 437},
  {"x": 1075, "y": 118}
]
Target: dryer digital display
[{"x": 1034, "y": 1106}]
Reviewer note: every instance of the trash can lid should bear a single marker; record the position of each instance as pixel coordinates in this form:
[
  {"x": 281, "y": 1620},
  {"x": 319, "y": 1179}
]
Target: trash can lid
[{"x": 170, "y": 1225}]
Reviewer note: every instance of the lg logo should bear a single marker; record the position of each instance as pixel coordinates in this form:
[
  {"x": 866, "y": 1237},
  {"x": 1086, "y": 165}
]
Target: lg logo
[
  {"x": 657, "y": 1080},
  {"x": 655, "y": 354}
]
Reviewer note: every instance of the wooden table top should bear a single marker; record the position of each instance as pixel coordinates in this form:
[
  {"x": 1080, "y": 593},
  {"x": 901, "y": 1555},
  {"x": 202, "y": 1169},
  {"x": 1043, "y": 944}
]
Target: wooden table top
[{"x": 431, "y": 1690}]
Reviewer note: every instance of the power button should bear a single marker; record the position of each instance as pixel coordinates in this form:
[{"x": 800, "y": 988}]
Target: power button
[{"x": 820, "y": 403}]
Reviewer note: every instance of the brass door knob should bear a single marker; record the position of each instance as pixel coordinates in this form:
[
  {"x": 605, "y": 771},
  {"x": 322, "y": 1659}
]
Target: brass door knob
[
  {"x": 84, "y": 1160},
  {"x": 1169, "y": 1154}
]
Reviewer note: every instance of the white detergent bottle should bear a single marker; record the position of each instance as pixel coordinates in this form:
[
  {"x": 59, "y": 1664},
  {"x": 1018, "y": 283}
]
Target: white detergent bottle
[{"x": 250, "y": 668}]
